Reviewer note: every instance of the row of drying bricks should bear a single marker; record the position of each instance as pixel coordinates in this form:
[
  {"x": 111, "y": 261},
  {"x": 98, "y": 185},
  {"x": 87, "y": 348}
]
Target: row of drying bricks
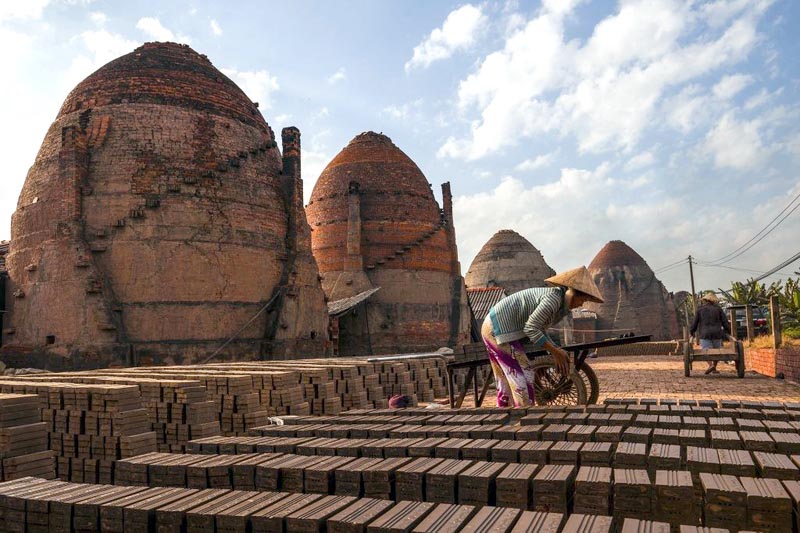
[
  {"x": 34, "y": 505},
  {"x": 621, "y": 454},
  {"x": 676, "y": 497},
  {"x": 770, "y": 439}
]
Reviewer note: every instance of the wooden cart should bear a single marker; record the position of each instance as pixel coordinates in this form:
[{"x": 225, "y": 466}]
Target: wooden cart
[
  {"x": 551, "y": 388},
  {"x": 734, "y": 352}
]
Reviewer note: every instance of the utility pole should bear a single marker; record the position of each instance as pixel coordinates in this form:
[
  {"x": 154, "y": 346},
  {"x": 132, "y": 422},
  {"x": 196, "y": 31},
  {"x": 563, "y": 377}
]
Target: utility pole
[{"x": 691, "y": 277}]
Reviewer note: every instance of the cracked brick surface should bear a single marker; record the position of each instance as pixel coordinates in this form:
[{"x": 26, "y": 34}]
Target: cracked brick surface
[{"x": 158, "y": 218}]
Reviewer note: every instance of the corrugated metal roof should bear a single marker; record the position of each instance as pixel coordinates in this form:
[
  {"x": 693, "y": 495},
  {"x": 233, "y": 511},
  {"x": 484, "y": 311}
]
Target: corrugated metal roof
[
  {"x": 482, "y": 299},
  {"x": 3, "y": 252},
  {"x": 340, "y": 307}
]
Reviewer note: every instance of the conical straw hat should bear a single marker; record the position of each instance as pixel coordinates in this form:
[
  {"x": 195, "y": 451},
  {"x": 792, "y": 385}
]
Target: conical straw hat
[
  {"x": 710, "y": 297},
  {"x": 580, "y": 280}
]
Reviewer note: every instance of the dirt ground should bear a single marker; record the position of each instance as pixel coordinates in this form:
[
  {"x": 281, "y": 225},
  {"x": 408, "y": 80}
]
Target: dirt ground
[{"x": 662, "y": 377}]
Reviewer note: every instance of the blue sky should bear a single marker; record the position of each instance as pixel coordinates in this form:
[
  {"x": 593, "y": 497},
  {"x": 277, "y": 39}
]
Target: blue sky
[{"x": 670, "y": 125}]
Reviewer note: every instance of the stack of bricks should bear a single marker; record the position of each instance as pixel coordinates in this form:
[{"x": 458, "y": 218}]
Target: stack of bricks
[
  {"x": 396, "y": 379},
  {"x": 673, "y": 498},
  {"x": 24, "y": 447},
  {"x": 238, "y": 404},
  {"x": 282, "y": 394},
  {"x": 553, "y": 488},
  {"x": 593, "y": 490},
  {"x": 179, "y": 410},
  {"x": 769, "y": 506},
  {"x": 90, "y": 425},
  {"x": 633, "y": 494},
  {"x": 350, "y": 383},
  {"x": 280, "y": 389},
  {"x": 319, "y": 390}
]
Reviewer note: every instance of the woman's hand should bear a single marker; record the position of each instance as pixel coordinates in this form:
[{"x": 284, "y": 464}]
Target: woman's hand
[{"x": 561, "y": 359}]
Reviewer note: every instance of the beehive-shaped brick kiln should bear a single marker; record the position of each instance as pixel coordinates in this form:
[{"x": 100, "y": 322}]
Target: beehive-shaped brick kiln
[
  {"x": 158, "y": 219},
  {"x": 635, "y": 301},
  {"x": 510, "y": 261},
  {"x": 375, "y": 223}
]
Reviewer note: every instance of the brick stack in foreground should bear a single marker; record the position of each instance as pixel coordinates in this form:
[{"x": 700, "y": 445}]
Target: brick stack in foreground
[
  {"x": 24, "y": 445},
  {"x": 90, "y": 425}
]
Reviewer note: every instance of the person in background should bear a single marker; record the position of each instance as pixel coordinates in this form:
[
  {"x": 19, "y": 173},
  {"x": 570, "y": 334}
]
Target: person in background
[
  {"x": 710, "y": 326},
  {"x": 528, "y": 313}
]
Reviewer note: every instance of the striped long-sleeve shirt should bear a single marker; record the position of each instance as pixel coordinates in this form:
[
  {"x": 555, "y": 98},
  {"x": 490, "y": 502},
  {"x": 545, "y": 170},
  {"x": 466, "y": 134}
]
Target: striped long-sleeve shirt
[{"x": 528, "y": 313}]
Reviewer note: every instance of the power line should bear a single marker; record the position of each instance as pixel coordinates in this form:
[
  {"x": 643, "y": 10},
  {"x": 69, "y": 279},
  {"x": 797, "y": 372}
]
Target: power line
[
  {"x": 788, "y": 262},
  {"x": 758, "y": 237},
  {"x": 673, "y": 267},
  {"x": 663, "y": 268},
  {"x": 746, "y": 270}
]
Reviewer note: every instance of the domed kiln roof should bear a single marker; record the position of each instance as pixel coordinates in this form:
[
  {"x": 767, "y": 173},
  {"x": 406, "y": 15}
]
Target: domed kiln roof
[
  {"x": 616, "y": 254},
  {"x": 373, "y": 160},
  {"x": 164, "y": 73},
  {"x": 508, "y": 240},
  {"x": 508, "y": 260}
]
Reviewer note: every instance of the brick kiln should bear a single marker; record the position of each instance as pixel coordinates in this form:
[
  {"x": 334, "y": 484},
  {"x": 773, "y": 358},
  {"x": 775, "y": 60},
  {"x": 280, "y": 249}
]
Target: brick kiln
[
  {"x": 634, "y": 299},
  {"x": 375, "y": 223},
  {"x": 510, "y": 261},
  {"x": 158, "y": 219}
]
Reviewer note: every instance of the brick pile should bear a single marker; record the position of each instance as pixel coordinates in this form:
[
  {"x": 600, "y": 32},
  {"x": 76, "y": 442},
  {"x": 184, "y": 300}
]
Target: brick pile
[
  {"x": 179, "y": 410},
  {"x": 90, "y": 425},
  {"x": 24, "y": 449}
]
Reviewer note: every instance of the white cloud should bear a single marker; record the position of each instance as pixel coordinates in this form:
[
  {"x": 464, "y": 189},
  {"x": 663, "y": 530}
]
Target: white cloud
[
  {"x": 761, "y": 98},
  {"x": 258, "y": 85},
  {"x": 642, "y": 160},
  {"x": 540, "y": 161},
  {"x": 315, "y": 156},
  {"x": 603, "y": 92},
  {"x": 735, "y": 144},
  {"x": 730, "y": 86},
  {"x": 576, "y": 213},
  {"x": 215, "y": 27},
  {"x": 688, "y": 109},
  {"x": 339, "y": 75},
  {"x": 459, "y": 32},
  {"x": 153, "y": 28},
  {"x": 283, "y": 119},
  {"x": 98, "y": 18},
  {"x": 22, "y": 10},
  {"x": 403, "y": 111},
  {"x": 103, "y": 46}
]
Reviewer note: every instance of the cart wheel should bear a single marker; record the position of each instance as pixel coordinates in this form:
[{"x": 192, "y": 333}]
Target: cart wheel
[
  {"x": 591, "y": 383},
  {"x": 687, "y": 361},
  {"x": 551, "y": 387},
  {"x": 739, "y": 360}
]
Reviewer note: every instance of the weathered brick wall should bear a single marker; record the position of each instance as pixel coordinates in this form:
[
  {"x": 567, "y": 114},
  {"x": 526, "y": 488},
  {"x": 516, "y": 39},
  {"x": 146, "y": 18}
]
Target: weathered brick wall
[
  {"x": 774, "y": 362},
  {"x": 404, "y": 245},
  {"x": 510, "y": 261},
  {"x": 154, "y": 223},
  {"x": 635, "y": 301}
]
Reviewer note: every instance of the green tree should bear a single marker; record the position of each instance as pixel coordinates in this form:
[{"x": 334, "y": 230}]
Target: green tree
[
  {"x": 750, "y": 292},
  {"x": 789, "y": 299}
]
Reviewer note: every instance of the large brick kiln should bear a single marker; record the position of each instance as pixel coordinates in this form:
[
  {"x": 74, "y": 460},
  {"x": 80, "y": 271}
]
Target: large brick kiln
[
  {"x": 634, "y": 299},
  {"x": 158, "y": 219},
  {"x": 510, "y": 261},
  {"x": 375, "y": 223}
]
